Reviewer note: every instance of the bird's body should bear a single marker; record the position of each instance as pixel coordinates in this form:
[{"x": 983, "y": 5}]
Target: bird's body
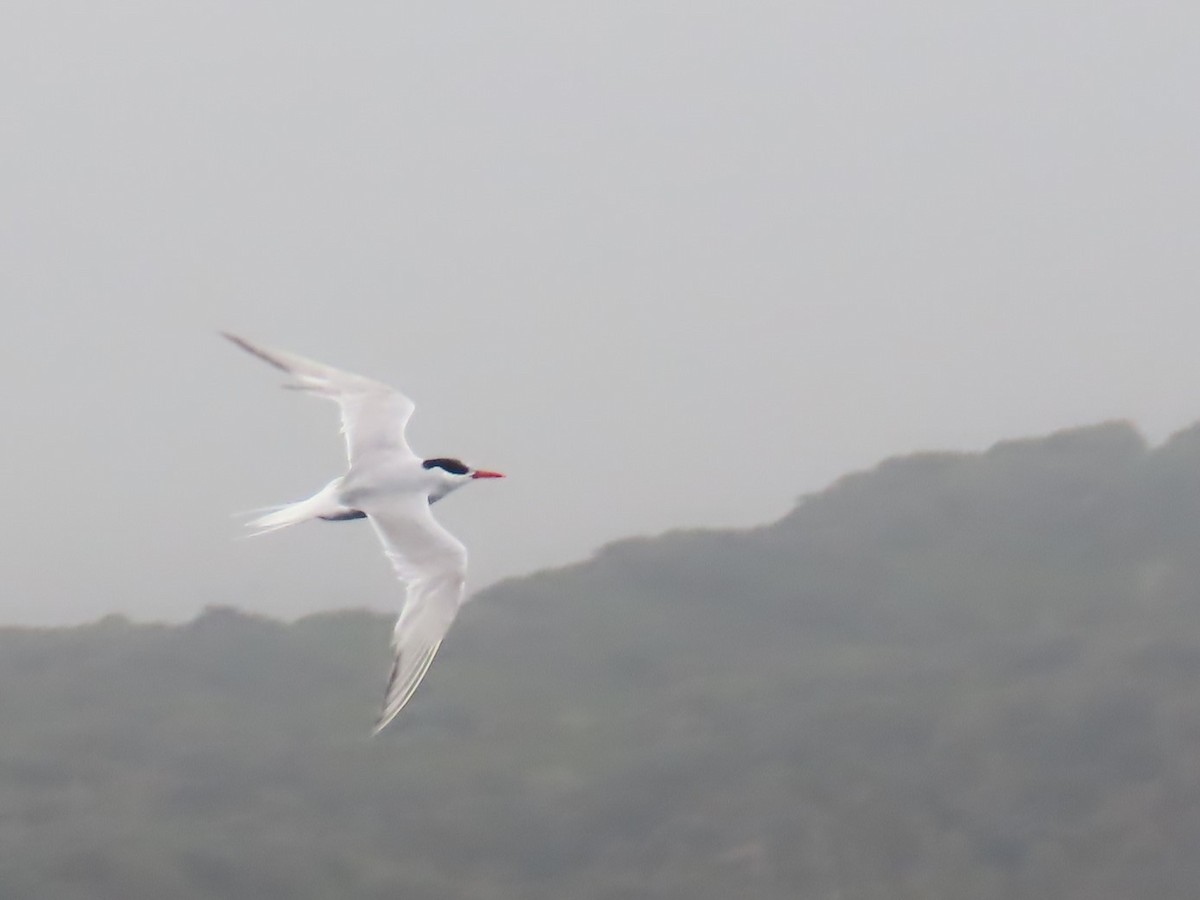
[{"x": 393, "y": 488}]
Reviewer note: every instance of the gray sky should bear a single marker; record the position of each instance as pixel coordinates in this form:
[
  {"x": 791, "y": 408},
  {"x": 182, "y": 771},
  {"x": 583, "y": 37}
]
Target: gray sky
[{"x": 666, "y": 264}]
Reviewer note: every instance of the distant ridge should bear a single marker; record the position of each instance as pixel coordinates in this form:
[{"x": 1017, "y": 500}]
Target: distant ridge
[{"x": 953, "y": 675}]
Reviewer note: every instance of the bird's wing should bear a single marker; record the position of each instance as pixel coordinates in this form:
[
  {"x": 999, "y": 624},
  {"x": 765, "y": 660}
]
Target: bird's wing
[
  {"x": 373, "y": 414},
  {"x": 432, "y": 564}
]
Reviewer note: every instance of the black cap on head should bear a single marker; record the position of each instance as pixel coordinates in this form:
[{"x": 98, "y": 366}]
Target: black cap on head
[{"x": 451, "y": 465}]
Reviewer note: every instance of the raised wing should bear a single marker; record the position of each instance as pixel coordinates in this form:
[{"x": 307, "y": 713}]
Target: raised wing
[
  {"x": 374, "y": 415},
  {"x": 433, "y": 566}
]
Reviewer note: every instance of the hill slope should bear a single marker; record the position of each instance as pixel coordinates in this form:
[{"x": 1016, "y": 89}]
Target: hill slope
[{"x": 955, "y": 675}]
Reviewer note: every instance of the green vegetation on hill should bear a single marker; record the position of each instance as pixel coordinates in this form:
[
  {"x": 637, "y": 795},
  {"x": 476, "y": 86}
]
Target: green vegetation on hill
[{"x": 953, "y": 676}]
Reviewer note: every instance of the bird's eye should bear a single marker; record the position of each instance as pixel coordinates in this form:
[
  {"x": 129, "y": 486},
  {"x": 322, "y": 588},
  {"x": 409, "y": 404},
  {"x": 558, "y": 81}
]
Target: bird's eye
[{"x": 448, "y": 464}]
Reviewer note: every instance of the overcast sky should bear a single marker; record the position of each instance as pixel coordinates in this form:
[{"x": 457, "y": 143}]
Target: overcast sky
[{"x": 666, "y": 264}]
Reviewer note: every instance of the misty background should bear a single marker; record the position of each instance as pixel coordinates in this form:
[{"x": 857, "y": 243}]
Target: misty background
[
  {"x": 842, "y": 360},
  {"x": 665, "y": 264},
  {"x": 953, "y": 675}
]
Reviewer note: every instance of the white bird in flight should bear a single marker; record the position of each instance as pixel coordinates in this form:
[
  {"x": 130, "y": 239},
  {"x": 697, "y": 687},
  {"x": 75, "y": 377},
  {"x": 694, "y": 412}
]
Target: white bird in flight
[{"x": 392, "y": 488}]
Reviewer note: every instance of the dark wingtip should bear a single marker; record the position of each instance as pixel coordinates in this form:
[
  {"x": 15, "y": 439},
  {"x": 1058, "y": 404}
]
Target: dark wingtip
[
  {"x": 384, "y": 719},
  {"x": 255, "y": 351},
  {"x": 241, "y": 342}
]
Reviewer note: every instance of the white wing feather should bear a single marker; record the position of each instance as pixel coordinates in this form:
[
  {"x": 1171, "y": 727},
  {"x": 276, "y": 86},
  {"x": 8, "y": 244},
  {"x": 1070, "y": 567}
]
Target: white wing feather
[
  {"x": 432, "y": 564},
  {"x": 428, "y": 559},
  {"x": 374, "y": 415}
]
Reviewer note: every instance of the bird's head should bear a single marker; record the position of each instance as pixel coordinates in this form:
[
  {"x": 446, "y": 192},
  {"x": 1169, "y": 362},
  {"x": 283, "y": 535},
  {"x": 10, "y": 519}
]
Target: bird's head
[{"x": 449, "y": 474}]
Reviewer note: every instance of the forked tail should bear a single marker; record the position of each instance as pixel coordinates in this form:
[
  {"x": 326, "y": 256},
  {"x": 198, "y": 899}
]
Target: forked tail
[{"x": 322, "y": 505}]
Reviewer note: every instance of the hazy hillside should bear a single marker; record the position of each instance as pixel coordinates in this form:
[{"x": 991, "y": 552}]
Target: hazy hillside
[{"x": 953, "y": 676}]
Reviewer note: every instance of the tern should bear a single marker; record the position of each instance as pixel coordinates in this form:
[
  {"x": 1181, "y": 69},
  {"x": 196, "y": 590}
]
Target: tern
[{"x": 392, "y": 488}]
